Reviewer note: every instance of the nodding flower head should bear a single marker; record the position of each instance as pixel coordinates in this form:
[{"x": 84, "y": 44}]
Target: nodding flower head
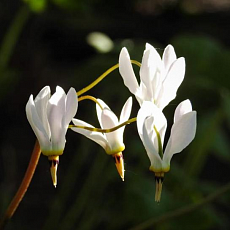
[
  {"x": 151, "y": 124},
  {"x": 49, "y": 117},
  {"x": 159, "y": 78},
  {"x": 112, "y": 142}
]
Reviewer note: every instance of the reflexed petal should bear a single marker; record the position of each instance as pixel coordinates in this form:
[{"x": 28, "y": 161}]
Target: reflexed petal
[
  {"x": 155, "y": 55},
  {"x": 126, "y": 110},
  {"x": 99, "y": 110},
  {"x": 183, "y": 108},
  {"x": 150, "y": 143},
  {"x": 147, "y": 72},
  {"x": 150, "y": 109},
  {"x": 40, "y": 102},
  {"x": 146, "y": 110},
  {"x": 94, "y": 136},
  {"x": 71, "y": 106},
  {"x": 169, "y": 56},
  {"x": 36, "y": 125},
  {"x": 172, "y": 82},
  {"x": 126, "y": 71},
  {"x": 182, "y": 133},
  {"x": 109, "y": 120},
  {"x": 55, "y": 112}
]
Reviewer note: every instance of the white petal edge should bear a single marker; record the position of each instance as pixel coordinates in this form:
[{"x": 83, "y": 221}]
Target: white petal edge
[
  {"x": 71, "y": 106},
  {"x": 182, "y": 134},
  {"x": 183, "y": 108},
  {"x": 151, "y": 144},
  {"x": 126, "y": 71},
  {"x": 36, "y": 125},
  {"x": 172, "y": 82},
  {"x": 41, "y": 102}
]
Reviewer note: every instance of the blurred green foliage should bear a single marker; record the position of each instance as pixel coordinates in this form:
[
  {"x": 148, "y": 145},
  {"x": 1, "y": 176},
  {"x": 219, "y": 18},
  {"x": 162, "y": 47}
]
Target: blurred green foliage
[{"x": 50, "y": 48}]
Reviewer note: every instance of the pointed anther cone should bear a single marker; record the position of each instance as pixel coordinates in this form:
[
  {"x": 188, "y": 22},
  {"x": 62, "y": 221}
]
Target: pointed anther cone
[
  {"x": 119, "y": 162},
  {"x": 54, "y": 161},
  {"x": 159, "y": 177}
]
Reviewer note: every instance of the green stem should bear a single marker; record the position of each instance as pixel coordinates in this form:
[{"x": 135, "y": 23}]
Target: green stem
[
  {"x": 88, "y": 97},
  {"x": 11, "y": 37},
  {"x": 94, "y": 83},
  {"x": 104, "y": 130},
  {"x": 182, "y": 211}
]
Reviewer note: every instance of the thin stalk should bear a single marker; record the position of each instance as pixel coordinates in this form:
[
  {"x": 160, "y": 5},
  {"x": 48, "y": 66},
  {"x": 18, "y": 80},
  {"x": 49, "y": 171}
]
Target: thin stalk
[
  {"x": 94, "y": 83},
  {"x": 90, "y": 98},
  {"x": 24, "y": 185},
  {"x": 104, "y": 130},
  {"x": 184, "y": 210}
]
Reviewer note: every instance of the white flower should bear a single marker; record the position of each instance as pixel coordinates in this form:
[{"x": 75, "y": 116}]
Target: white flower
[
  {"x": 111, "y": 142},
  {"x": 159, "y": 78},
  {"x": 151, "y": 124},
  {"x": 49, "y": 118}
]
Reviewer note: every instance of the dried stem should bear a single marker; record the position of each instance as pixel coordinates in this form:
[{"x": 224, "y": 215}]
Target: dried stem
[{"x": 24, "y": 185}]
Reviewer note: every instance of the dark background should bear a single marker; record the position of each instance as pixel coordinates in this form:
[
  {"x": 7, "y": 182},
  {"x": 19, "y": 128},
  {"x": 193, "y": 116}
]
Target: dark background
[{"x": 45, "y": 43}]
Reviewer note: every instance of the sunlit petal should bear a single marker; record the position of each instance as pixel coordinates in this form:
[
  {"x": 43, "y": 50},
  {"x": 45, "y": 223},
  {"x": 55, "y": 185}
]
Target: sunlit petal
[
  {"x": 182, "y": 133},
  {"x": 183, "y": 108},
  {"x": 71, "y": 106},
  {"x": 172, "y": 82},
  {"x": 126, "y": 71}
]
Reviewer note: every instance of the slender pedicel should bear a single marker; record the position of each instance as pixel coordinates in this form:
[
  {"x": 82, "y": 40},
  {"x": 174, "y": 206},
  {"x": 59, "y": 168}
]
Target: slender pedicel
[
  {"x": 104, "y": 130},
  {"x": 90, "y": 98},
  {"x": 94, "y": 83}
]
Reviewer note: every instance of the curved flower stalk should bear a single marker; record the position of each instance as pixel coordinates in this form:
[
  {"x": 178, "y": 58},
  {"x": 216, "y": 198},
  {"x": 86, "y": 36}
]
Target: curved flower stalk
[
  {"x": 159, "y": 78},
  {"x": 111, "y": 142},
  {"x": 49, "y": 117},
  {"x": 152, "y": 124}
]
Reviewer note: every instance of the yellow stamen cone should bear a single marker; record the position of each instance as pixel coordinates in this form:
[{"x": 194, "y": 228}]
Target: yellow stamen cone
[
  {"x": 119, "y": 162},
  {"x": 159, "y": 177},
  {"x": 54, "y": 161}
]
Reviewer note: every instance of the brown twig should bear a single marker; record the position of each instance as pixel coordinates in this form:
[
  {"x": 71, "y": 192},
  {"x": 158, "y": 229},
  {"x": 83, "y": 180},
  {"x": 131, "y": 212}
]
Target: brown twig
[{"x": 24, "y": 185}]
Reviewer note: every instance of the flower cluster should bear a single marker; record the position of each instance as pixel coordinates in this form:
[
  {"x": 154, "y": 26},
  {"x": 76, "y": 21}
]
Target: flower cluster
[{"x": 160, "y": 78}]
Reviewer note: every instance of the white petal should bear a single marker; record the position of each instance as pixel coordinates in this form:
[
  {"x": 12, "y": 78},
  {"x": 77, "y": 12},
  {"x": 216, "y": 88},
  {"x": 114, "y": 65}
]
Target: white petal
[
  {"x": 94, "y": 136},
  {"x": 183, "y": 108},
  {"x": 145, "y": 111},
  {"x": 99, "y": 110},
  {"x": 169, "y": 56},
  {"x": 155, "y": 55},
  {"x": 149, "y": 109},
  {"x": 172, "y": 82},
  {"x": 109, "y": 120},
  {"x": 126, "y": 71},
  {"x": 151, "y": 145},
  {"x": 126, "y": 110},
  {"x": 41, "y": 102},
  {"x": 71, "y": 106},
  {"x": 182, "y": 133},
  {"x": 37, "y": 125},
  {"x": 147, "y": 72},
  {"x": 56, "y": 111}
]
